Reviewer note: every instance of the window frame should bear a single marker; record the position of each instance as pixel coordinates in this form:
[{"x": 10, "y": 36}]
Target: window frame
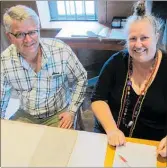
[{"x": 54, "y": 16}]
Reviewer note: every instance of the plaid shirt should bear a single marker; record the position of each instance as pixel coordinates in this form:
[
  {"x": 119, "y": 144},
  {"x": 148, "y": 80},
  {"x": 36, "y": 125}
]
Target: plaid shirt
[{"x": 60, "y": 82}]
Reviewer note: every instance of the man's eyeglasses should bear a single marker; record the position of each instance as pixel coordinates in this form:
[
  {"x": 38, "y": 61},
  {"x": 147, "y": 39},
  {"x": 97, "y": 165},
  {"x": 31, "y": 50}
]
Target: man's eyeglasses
[{"x": 22, "y": 35}]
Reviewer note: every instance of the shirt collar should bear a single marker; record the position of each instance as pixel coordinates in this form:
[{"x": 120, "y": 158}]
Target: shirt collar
[
  {"x": 46, "y": 54},
  {"x": 45, "y": 49}
]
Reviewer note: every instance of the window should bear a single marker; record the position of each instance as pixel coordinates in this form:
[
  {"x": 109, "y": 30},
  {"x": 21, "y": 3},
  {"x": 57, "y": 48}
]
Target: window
[{"x": 73, "y": 10}]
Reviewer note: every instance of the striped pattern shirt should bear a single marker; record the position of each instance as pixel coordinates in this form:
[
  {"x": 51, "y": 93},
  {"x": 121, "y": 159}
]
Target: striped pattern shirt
[{"x": 61, "y": 82}]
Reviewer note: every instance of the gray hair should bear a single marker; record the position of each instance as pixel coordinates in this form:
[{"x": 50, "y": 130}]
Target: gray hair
[
  {"x": 141, "y": 13},
  {"x": 19, "y": 13}
]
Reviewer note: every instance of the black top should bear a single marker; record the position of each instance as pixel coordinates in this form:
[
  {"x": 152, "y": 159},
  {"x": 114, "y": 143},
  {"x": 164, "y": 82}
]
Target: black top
[{"x": 152, "y": 120}]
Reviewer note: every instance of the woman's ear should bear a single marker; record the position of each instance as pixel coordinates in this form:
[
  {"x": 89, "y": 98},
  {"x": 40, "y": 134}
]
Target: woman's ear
[{"x": 157, "y": 37}]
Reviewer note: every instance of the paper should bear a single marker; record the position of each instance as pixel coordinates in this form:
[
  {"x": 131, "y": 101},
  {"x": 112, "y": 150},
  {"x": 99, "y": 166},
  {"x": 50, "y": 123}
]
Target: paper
[
  {"x": 89, "y": 150},
  {"x": 105, "y": 32},
  {"x": 136, "y": 155},
  {"x": 31, "y": 145},
  {"x": 54, "y": 148},
  {"x": 19, "y": 142},
  {"x": 117, "y": 34}
]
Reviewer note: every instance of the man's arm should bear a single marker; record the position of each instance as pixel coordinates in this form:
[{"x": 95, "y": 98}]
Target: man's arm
[
  {"x": 78, "y": 76},
  {"x": 5, "y": 94}
]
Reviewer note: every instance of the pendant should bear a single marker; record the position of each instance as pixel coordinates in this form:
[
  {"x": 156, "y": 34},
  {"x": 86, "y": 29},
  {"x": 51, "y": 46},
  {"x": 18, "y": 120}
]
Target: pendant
[
  {"x": 129, "y": 83},
  {"x": 130, "y": 123}
]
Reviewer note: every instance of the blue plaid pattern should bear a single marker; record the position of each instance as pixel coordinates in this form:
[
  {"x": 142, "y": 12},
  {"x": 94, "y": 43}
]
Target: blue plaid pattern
[{"x": 61, "y": 81}]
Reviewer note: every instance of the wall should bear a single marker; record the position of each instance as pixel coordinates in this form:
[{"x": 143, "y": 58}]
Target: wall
[
  {"x": 4, "y": 41},
  {"x": 109, "y": 8},
  {"x": 160, "y": 10}
]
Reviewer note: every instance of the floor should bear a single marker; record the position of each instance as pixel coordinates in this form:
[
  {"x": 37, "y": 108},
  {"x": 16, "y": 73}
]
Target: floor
[
  {"x": 88, "y": 121},
  {"x": 87, "y": 114}
]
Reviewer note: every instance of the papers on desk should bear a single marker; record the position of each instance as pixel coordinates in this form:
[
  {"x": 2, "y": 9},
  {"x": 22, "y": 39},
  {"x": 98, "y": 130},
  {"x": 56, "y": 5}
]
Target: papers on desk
[
  {"x": 136, "y": 155},
  {"x": 117, "y": 34},
  {"x": 103, "y": 33},
  {"x": 31, "y": 145},
  {"x": 89, "y": 150}
]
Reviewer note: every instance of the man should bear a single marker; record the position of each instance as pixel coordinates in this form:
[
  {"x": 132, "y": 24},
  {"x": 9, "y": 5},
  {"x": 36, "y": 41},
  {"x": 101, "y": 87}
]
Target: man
[{"x": 48, "y": 77}]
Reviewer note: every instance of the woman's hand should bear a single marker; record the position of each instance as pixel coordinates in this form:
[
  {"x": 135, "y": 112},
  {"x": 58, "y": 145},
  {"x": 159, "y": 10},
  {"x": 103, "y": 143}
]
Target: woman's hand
[
  {"x": 162, "y": 148},
  {"x": 116, "y": 137}
]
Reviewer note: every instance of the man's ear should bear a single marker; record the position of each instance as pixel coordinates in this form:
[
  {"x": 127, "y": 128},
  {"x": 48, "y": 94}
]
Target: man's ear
[{"x": 9, "y": 37}]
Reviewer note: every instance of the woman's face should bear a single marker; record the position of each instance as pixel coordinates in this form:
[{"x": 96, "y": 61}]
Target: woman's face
[{"x": 142, "y": 41}]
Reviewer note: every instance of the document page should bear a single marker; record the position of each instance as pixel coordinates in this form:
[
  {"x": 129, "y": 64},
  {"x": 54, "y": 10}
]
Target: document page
[
  {"x": 117, "y": 34},
  {"x": 18, "y": 142},
  {"x": 31, "y": 145},
  {"x": 89, "y": 150},
  {"x": 55, "y": 148},
  {"x": 135, "y": 155}
]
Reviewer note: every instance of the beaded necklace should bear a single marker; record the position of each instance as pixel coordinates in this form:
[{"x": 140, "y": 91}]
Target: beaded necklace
[{"x": 125, "y": 99}]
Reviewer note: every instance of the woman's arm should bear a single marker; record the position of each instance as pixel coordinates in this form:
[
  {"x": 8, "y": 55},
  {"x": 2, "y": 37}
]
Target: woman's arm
[{"x": 104, "y": 115}]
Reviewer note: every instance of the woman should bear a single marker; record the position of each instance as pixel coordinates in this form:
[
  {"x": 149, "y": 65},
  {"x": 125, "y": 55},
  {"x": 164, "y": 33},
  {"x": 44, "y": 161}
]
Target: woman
[{"x": 131, "y": 95}]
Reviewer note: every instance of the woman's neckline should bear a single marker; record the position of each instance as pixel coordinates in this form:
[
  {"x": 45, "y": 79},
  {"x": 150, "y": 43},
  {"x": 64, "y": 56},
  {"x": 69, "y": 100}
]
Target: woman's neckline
[{"x": 135, "y": 88}]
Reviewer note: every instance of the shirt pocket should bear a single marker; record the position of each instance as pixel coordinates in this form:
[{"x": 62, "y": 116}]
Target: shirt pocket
[{"x": 57, "y": 81}]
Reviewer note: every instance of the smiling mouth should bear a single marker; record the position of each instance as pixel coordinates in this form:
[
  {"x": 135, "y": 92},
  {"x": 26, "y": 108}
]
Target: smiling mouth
[
  {"x": 29, "y": 45},
  {"x": 140, "y": 51}
]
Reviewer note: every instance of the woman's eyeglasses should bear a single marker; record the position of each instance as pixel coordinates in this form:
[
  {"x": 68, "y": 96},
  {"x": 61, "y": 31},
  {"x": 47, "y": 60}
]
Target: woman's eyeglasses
[{"x": 22, "y": 35}]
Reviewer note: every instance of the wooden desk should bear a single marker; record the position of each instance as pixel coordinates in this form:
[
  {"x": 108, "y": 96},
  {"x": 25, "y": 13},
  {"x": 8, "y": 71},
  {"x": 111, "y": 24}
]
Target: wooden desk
[
  {"x": 162, "y": 162},
  {"x": 106, "y": 39}
]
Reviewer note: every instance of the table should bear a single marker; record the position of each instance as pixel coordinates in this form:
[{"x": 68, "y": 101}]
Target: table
[
  {"x": 98, "y": 37},
  {"x": 161, "y": 162},
  {"x": 31, "y": 145}
]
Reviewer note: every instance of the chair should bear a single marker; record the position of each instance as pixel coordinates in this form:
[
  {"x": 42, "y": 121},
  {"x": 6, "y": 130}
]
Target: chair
[
  {"x": 78, "y": 121},
  {"x": 92, "y": 81}
]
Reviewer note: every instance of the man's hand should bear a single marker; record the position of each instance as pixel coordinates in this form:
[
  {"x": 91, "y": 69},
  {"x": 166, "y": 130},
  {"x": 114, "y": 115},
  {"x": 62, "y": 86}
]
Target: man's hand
[
  {"x": 162, "y": 148},
  {"x": 66, "y": 120},
  {"x": 116, "y": 138}
]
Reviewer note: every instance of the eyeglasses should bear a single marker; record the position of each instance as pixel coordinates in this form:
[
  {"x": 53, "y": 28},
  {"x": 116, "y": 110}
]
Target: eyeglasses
[{"x": 22, "y": 35}]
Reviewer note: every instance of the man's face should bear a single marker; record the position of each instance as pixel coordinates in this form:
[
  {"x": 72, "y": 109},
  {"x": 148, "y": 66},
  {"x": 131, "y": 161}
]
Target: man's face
[
  {"x": 26, "y": 45},
  {"x": 142, "y": 41}
]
